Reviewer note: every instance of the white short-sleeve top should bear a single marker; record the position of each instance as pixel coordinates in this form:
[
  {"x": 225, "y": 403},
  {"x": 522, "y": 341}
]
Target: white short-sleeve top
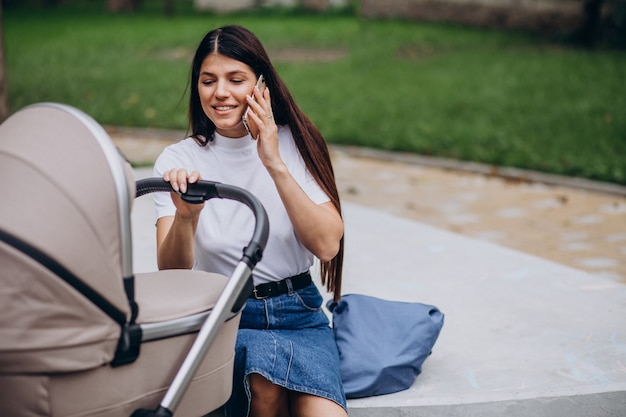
[{"x": 225, "y": 226}]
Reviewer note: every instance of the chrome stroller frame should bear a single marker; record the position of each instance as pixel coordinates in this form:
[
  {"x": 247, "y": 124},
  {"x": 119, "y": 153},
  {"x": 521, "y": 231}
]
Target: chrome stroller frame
[{"x": 234, "y": 296}]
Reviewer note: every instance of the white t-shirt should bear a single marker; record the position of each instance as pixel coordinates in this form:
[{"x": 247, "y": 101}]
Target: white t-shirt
[{"x": 225, "y": 226}]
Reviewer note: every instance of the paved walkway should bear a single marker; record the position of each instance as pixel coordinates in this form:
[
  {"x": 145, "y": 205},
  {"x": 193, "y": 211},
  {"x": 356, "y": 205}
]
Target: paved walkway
[{"x": 524, "y": 336}]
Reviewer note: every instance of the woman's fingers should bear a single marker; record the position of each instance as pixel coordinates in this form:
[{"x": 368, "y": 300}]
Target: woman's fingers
[
  {"x": 261, "y": 115},
  {"x": 179, "y": 178},
  {"x": 260, "y": 103}
]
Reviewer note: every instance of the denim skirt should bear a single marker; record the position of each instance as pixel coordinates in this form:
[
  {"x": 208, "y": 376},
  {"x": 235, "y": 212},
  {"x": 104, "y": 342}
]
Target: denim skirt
[{"x": 286, "y": 339}]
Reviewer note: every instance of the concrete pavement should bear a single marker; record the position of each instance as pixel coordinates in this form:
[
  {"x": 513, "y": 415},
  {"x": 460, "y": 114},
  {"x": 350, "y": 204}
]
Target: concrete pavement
[{"x": 523, "y": 336}]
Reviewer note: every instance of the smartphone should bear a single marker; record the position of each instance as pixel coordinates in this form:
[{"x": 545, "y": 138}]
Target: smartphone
[{"x": 260, "y": 84}]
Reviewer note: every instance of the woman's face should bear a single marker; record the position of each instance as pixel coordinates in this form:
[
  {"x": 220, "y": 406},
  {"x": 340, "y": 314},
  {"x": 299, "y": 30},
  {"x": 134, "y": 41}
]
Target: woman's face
[{"x": 223, "y": 86}]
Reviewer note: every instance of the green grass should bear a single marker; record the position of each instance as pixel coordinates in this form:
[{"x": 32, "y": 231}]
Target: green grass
[{"x": 498, "y": 98}]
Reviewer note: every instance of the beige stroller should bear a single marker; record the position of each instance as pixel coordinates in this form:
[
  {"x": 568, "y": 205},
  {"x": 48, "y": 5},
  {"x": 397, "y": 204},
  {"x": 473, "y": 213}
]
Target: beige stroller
[{"x": 80, "y": 334}]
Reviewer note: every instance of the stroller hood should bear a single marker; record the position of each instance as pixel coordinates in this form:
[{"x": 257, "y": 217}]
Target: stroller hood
[{"x": 65, "y": 223}]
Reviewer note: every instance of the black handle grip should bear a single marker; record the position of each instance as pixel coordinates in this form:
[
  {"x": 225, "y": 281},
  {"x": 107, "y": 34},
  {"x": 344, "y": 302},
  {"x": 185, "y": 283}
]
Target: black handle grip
[{"x": 204, "y": 190}]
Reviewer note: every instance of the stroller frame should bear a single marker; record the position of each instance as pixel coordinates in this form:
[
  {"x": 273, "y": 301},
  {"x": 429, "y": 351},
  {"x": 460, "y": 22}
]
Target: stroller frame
[{"x": 234, "y": 295}]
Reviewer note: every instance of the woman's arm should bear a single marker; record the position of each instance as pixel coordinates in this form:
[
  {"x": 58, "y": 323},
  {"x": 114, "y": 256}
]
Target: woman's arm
[
  {"x": 176, "y": 234},
  {"x": 318, "y": 227}
]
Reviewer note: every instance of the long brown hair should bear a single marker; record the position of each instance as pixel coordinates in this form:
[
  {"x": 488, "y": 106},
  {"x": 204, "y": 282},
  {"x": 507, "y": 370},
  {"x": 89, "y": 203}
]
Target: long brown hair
[{"x": 239, "y": 43}]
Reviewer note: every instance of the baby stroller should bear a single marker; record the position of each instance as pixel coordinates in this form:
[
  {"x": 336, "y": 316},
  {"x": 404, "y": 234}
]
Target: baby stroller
[{"x": 80, "y": 334}]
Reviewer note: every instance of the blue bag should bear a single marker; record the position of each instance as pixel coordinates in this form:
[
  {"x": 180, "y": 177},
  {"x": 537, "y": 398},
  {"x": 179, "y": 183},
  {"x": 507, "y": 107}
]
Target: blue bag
[{"x": 382, "y": 344}]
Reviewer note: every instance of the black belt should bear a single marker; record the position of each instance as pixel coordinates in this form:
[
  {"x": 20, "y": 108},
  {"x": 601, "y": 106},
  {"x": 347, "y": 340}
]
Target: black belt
[{"x": 272, "y": 289}]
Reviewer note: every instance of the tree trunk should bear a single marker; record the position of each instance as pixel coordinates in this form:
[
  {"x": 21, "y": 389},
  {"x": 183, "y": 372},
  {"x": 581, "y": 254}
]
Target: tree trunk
[
  {"x": 168, "y": 8},
  {"x": 4, "y": 92},
  {"x": 588, "y": 32}
]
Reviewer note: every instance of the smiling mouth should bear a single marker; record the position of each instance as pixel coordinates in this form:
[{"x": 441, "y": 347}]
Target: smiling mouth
[{"x": 224, "y": 108}]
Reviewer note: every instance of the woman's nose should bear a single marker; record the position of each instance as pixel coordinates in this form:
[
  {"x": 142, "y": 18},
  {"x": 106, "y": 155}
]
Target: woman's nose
[{"x": 221, "y": 89}]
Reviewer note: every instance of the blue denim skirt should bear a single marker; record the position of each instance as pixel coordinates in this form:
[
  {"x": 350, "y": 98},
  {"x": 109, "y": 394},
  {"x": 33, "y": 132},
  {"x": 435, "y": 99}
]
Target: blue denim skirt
[{"x": 286, "y": 339}]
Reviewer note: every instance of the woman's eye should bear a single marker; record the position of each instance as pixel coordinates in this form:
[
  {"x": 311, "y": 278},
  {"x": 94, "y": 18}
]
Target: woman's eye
[{"x": 208, "y": 82}]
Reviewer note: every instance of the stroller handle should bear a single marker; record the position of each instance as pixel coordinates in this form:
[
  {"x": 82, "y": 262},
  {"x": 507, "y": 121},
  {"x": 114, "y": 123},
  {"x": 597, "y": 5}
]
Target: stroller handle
[{"x": 202, "y": 191}]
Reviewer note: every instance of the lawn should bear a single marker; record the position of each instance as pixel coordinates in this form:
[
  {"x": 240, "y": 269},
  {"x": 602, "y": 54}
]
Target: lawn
[{"x": 507, "y": 99}]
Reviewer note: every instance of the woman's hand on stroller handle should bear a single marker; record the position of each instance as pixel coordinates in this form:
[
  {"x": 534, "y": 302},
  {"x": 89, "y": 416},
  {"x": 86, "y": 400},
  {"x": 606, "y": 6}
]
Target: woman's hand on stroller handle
[
  {"x": 188, "y": 204},
  {"x": 179, "y": 178},
  {"x": 202, "y": 190}
]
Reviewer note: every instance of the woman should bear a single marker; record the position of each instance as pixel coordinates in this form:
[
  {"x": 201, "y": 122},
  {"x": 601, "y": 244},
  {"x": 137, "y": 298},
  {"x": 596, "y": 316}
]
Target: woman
[{"x": 286, "y": 360}]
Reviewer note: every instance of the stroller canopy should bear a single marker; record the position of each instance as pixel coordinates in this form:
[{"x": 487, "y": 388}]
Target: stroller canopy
[{"x": 64, "y": 235}]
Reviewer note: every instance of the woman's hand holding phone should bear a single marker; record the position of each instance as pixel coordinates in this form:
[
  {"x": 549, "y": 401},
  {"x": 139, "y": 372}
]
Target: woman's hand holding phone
[
  {"x": 263, "y": 127},
  {"x": 253, "y": 130}
]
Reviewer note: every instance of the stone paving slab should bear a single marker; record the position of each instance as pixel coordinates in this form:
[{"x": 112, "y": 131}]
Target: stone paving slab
[{"x": 581, "y": 226}]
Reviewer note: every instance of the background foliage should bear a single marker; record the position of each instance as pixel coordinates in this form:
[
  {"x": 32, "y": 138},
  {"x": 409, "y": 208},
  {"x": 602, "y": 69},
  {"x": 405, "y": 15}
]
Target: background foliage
[{"x": 507, "y": 99}]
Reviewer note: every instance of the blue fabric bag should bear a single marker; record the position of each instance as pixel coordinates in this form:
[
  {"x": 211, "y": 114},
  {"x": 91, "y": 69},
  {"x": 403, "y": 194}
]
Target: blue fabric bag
[{"x": 382, "y": 344}]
